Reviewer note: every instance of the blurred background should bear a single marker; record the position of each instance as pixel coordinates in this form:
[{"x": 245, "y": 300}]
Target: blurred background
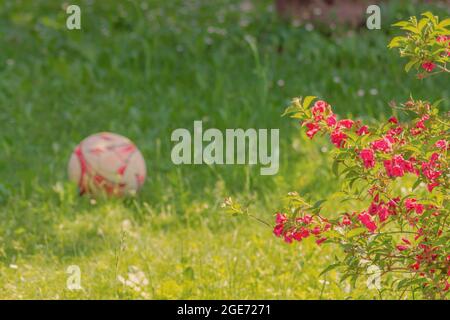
[{"x": 145, "y": 68}]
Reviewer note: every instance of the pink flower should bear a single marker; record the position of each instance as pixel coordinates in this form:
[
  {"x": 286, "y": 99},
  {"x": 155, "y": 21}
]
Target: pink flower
[
  {"x": 434, "y": 157},
  {"x": 398, "y": 166},
  {"x": 415, "y": 266},
  {"x": 367, "y": 156},
  {"x": 288, "y": 237},
  {"x": 384, "y": 145},
  {"x": 338, "y": 138},
  {"x": 415, "y": 131},
  {"x": 395, "y": 131},
  {"x": 406, "y": 241},
  {"x": 429, "y": 171},
  {"x": 420, "y": 124},
  {"x": 331, "y": 120},
  {"x": 393, "y": 120},
  {"x": 392, "y": 169},
  {"x": 393, "y": 203},
  {"x": 301, "y": 234},
  {"x": 346, "y": 221},
  {"x": 362, "y": 131},
  {"x": 442, "y": 39},
  {"x": 383, "y": 213},
  {"x": 408, "y": 166},
  {"x": 419, "y": 208},
  {"x": 365, "y": 219},
  {"x": 428, "y": 66},
  {"x": 441, "y": 144},
  {"x": 401, "y": 247},
  {"x": 280, "y": 218},
  {"x": 411, "y": 204},
  {"x": 373, "y": 209},
  {"x": 306, "y": 219},
  {"x": 432, "y": 185},
  {"x": 319, "y": 107},
  {"x": 313, "y": 128},
  {"x": 278, "y": 230},
  {"x": 316, "y": 231},
  {"x": 319, "y": 241},
  {"x": 346, "y": 123}
]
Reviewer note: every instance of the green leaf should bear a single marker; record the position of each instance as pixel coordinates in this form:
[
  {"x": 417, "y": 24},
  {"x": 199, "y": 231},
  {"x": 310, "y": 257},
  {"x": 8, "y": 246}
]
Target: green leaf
[
  {"x": 352, "y": 182},
  {"x": 437, "y": 52},
  {"x": 318, "y": 203},
  {"x": 395, "y": 42},
  {"x": 410, "y": 64},
  {"x": 188, "y": 273},
  {"x": 290, "y": 109},
  {"x": 352, "y": 174},
  {"x": 412, "y": 148},
  {"x": 307, "y": 101},
  {"x": 335, "y": 168},
  {"x": 403, "y": 283},
  {"x": 422, "y": 23},
  {"x": 418, "y": 240},
  {"x": 430, "y": 16},
  {"x": 416, "y": 184},
  {"x": 355, "y": 232},
  {"x": 329, "y": 268},
  {"x": 437, "y": 103},
  {"x": 412, "y": 29},
  {"x": 401, "y": 24},
  {"x": 297, "y": 115},
  {"x": 444, "y": 23},
  {"x": 352, "y": 135},
  {"x": 331, "y": 234}
]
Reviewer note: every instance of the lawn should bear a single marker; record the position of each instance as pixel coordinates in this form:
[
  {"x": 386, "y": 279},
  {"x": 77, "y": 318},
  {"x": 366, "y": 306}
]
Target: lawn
[{"x": 143, "y": 69}]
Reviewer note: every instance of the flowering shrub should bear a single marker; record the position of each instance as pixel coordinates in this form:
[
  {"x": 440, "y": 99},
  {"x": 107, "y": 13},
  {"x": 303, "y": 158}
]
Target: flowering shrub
[
  {"x": 427, "y": 44},
  {"x": 397, "y": 175}
]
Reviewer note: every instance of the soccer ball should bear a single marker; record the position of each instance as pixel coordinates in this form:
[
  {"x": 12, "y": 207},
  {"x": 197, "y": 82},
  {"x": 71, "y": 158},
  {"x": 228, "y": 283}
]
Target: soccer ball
[{"x": 107, "y": 163}]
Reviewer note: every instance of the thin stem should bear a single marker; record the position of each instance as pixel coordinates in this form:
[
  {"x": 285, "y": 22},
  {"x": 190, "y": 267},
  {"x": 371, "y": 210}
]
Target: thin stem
[{"x": 260, "y": 220}]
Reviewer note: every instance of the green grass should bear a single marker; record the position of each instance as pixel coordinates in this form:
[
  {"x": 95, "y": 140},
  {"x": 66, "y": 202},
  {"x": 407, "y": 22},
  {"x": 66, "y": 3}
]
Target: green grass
[{"x": 143, "y": 70}]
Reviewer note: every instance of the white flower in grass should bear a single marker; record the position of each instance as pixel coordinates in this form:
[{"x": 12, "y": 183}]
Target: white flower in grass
[
  {"x": 296, "y": 23},
  {"x": 347, "y": 288},
  {"x": 244, "y": 23},
  {"x": 136, "y": 280},
  {"x": 126, "y": 225},
  {"x": 121, "y": 279},
  {"x": 208, "y": 41}
]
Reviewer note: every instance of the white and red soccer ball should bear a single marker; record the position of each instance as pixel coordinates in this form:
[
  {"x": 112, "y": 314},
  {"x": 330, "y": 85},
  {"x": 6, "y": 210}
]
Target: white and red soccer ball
[{"x": 107, "y": 163}]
